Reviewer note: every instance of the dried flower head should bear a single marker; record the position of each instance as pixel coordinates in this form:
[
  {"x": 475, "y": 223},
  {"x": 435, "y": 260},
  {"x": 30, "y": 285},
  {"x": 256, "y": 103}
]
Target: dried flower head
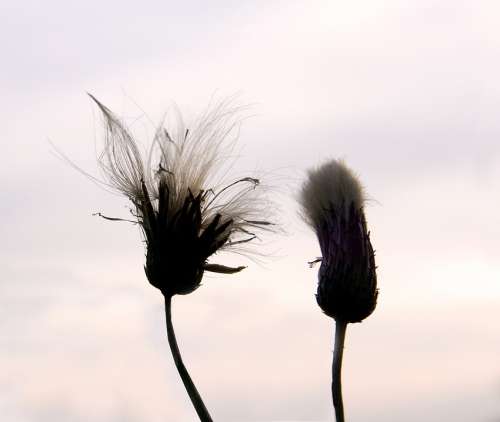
[
  {"x": 186, "y": 213},
  {"x": 332, "y": 201}
]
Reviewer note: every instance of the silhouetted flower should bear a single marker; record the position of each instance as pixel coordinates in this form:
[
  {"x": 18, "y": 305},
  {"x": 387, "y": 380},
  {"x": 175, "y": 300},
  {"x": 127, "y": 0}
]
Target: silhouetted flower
[
  {"x": 332, "y": 202},
  {"x": 185, "y": 214}
]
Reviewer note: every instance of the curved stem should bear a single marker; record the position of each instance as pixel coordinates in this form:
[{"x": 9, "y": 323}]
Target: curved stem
[
  {"x": 340, "y": 328},
  {"x": 195, "y": 397}
]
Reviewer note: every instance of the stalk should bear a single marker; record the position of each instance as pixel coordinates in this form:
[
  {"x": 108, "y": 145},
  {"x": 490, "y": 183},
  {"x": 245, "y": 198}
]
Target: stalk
[
  {"x": 195, "y": 397},
  {"x": 338, "y": 351}
]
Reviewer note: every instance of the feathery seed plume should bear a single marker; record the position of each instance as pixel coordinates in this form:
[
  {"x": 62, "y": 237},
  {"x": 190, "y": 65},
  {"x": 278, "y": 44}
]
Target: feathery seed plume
[{"x": 185, "y": 212}]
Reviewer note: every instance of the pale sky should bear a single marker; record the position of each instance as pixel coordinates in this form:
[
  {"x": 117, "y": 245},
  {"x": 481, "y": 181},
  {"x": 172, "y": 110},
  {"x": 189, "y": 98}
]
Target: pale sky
[{"x": 407, "y": 92}]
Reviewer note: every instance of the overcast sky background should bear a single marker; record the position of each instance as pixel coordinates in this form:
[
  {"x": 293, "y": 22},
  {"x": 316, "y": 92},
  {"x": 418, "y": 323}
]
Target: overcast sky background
[{"x": 407, "y": 92}]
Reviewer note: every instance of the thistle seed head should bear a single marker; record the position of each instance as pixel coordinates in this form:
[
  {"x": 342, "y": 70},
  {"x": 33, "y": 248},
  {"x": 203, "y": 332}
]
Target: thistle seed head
[
  {"x": 185, "y": 211},
  {"x": 332, "y": 204}
]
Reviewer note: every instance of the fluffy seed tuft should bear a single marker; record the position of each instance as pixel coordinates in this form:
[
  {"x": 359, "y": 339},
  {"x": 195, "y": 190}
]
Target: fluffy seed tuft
[{"x": 332, "y": 184}]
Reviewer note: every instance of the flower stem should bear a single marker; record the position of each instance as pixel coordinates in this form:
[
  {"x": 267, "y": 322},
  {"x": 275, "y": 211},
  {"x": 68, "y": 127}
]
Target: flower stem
[
  {"x": 195, "y": 397},
  {"x": 340, "y": 328}
]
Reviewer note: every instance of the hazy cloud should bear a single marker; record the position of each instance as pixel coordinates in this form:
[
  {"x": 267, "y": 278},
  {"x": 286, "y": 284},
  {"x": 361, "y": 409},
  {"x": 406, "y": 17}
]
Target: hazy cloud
[{"x": 408, "y": 93}]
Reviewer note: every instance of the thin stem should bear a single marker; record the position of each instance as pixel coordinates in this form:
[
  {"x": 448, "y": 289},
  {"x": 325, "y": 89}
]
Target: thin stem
[
  {"x": 340, "y": 328},
  {"x": 195, "y": 397}
]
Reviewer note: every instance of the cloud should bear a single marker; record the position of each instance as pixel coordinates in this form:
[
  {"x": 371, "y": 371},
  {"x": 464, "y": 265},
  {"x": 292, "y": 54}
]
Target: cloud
[{"x": 408, "y": 93}]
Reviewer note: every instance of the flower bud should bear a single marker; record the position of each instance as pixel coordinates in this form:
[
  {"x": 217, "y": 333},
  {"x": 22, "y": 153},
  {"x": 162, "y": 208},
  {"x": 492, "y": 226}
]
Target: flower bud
[{"x": 332, "y": 200}]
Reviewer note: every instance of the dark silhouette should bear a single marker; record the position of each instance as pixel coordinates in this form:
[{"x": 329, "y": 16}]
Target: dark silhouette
[
  {"x": 332, "y": 200},
  {"x": 184, "y": 221}
]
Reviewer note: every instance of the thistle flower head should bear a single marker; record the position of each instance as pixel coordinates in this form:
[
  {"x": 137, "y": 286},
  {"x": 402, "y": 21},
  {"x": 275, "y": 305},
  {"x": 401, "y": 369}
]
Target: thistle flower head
[
  {"x": 332, "y": 200},
  {"x": 186, "y": 213}
]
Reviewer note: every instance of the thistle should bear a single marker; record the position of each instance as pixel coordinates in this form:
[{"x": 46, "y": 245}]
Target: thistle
[
  {"x": 186, "y": 214},
  {"x": 332, "y": 201}
]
